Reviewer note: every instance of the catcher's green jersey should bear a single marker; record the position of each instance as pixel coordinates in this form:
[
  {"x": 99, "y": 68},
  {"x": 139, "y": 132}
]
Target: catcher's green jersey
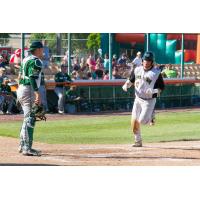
[{"x": 31, "y": 71}]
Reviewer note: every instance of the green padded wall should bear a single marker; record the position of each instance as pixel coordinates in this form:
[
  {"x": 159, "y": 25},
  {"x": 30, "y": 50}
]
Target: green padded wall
[
  {"x": 170, "y": 51},
  {"x": 153, "y": 44},
  {"x": 178, "y": 57},
  {"x": 161, "y": 47}
]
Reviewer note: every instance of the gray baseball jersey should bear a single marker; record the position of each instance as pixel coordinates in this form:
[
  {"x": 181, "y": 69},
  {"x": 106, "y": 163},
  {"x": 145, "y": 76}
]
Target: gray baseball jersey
[
  {"x": 145, "y": 80},
  {"x": 144, "y": 103}
]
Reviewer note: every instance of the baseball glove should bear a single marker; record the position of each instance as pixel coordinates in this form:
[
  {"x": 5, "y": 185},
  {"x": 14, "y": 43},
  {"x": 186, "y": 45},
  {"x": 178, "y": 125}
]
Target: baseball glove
[{"x": 38, "y": 113}]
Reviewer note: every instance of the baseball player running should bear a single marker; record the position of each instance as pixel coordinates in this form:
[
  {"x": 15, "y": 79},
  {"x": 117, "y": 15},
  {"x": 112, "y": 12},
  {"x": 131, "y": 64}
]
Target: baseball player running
[
  {"x": 27, "y": 94},
  {"x": 148, "y": 84}
]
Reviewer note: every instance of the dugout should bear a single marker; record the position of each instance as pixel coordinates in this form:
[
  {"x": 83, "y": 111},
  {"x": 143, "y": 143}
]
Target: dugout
[{"x": 98, "y": 95}]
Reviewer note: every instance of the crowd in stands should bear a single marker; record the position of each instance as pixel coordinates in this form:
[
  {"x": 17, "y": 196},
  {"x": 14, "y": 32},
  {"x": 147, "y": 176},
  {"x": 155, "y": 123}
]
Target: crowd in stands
[{"x": 82, "y": 68}]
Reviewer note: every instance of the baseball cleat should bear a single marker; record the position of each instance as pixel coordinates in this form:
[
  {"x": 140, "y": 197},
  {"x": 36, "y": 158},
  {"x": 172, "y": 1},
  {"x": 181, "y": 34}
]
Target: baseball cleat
[
  {"x": 152, "y": 123},
  {"x": 137, "y": 144},
  {"x": 31, "y": 152},
  {"x": 20, "y": 149}
]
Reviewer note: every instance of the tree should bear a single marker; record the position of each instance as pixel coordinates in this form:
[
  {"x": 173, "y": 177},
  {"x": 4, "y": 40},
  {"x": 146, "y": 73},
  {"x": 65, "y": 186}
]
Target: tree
[
  {"x": 78, "y": 42},
  {"x": 76, "y": 45},
  {"x": 50, "y": 37},
  {"x": 94, "y": 41},
  {"x": 4, "y": 39}
]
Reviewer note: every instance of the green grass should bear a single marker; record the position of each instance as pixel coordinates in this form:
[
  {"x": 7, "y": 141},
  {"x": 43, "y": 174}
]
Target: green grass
[{"x": 111, "y": 129}]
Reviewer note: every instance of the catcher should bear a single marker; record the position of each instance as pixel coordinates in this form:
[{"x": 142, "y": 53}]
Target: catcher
[
  {"x": 148, "y": 84},
  {"x": 28, "y": 94}
]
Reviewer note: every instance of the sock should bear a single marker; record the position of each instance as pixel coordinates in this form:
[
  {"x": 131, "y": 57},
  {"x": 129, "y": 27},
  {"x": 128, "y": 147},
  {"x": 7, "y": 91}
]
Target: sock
[{"x": 137, "y": 136}]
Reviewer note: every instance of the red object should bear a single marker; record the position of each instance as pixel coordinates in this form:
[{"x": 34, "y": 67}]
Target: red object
[
  {"x": 139, "y": 37},
  {"x": 17, "y": 54},
  {"x": 12, "y": 58},
  {"x": 171, "y": 36},
  {"x": 129, "y": 37},
  {"x": 5, "y": 50},
  {"x": 198, "y": 50},
  {"x": 189, "y": 55}
]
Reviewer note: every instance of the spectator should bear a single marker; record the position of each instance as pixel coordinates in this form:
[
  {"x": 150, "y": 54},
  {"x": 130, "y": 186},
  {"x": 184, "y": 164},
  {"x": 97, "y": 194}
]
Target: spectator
[
  {"x": 83, "y": 64},
  {"x": 6, "y": 59},
  {"x": 43, "y": 93},
  {"x": 2, "y": 74},
  {"x": 72, "y": 99},
  {"x": 169, "y": 72},
  {"x": 15, "y": 62},
  {"x": 138, "y": 60},
  {"x": 106, "y": 75},
  {"x": 83, "y": 69},
  {"x": 122, "y": 61},
  {"x": 2, "y": 63},
  {"x": 99, "y": 71},
  {"x": 114, "y": 61},
  {"x": 91, "y": 63},
  {"x": 6, "y": 97},
  {"x": 65, "y": 58},
  {"x": 75, "y": 75},
  {"x": 106, "y": 62},
  {"x": 115, "y": 74},
  {"x": 61, "y": 78},
  {"x": 99, "y": 64},
  {"x": 46, "y": 54},
  {"x": 89, "y": 75},
  {"x": 75, "y": 64}
]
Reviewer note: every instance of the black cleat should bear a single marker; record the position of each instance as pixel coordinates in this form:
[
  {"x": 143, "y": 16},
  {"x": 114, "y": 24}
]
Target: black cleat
[
  {"x": 137, "y": 144},
  {"x": 31, "y": 152}
]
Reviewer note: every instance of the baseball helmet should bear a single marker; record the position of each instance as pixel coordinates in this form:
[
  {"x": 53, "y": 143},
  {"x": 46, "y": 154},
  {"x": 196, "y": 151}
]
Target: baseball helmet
[
  {"x": 35, "y": 45},
  {"x": 148, "y": 55}
]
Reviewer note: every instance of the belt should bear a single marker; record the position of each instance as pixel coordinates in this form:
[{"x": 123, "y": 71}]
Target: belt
[{"x": 145, "y": 98}]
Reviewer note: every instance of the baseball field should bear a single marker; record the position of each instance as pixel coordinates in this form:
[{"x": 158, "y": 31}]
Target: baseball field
[{"x": 105, "y": 139}]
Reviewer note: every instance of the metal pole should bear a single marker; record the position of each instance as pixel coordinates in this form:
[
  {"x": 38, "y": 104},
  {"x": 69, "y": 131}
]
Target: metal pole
[
  {"x": 69, "y": 53},
  {"x": 58, "y": 43},
  {"x": 147, "y": 41},
  {"x": 182, "y": 56},
  {"x": 22, "y": 45},
  {"x": 110, "y": 56}
]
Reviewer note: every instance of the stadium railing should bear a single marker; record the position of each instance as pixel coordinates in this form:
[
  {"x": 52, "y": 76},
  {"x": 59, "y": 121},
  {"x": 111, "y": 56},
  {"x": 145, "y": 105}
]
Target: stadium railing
[{"x": 108, "y": 95}]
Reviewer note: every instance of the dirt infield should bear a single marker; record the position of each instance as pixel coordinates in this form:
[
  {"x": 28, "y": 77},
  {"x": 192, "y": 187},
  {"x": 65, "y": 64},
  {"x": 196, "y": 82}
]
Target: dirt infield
[
  {"x": 182, "y": 153},
  {"x": 152, "y": 154}
]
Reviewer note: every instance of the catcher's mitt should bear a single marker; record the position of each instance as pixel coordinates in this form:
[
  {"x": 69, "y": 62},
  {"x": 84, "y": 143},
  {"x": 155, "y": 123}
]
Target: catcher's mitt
[{"x": 38, "y": 113}]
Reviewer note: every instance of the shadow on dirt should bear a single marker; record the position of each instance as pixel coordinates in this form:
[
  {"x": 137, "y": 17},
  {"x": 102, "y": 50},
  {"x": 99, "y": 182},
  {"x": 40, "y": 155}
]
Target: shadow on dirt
[{"x": 22, "y": 164}]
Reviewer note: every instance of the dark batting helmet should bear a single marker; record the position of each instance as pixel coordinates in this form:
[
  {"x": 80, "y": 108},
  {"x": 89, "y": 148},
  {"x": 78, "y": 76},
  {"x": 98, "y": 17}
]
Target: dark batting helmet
[{"x": 148, "y": 55}]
